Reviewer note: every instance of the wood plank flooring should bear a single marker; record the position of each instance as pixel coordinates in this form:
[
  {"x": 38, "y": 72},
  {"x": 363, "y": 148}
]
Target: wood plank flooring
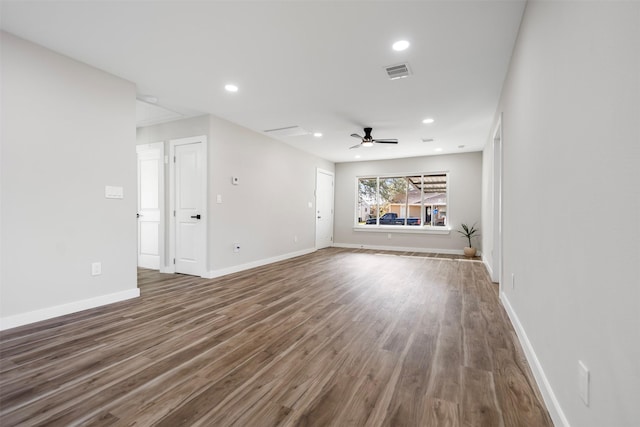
[{"x": 338, "y": 337}]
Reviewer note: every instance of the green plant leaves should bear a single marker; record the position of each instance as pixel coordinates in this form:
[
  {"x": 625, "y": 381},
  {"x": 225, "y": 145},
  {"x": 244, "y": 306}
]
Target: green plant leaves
[{"x": 468, "y": 232}]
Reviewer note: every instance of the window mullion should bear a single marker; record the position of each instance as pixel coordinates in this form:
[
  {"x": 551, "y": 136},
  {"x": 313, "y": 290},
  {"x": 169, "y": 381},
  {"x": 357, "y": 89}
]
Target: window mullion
[
  {"x": 406, "y": 201},
  {"x": 423, "y": 214},
  {"x": 378, "y": 200}
]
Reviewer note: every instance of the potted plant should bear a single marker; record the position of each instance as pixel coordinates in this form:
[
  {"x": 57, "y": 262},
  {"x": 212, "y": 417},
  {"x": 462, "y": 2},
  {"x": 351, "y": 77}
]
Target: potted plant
[{"x": 469, "y": 232}]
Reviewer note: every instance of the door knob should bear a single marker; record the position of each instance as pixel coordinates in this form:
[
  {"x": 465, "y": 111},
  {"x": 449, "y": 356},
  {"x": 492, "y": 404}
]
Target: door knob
[
  {"x": 138, "y": 215},
  {"x": 195, "y": 216}
]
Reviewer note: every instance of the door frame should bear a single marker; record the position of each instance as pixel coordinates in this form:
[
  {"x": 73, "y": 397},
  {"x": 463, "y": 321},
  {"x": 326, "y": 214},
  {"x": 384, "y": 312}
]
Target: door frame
[
  {"x": 161, "y": 203},
  {"x": 172, "y": 201},
  {"x": 333, "y": 178},
  {"x": 498, "y": 173}
]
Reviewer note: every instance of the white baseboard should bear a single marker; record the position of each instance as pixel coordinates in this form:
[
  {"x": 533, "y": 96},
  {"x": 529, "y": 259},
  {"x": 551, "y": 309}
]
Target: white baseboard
[
  {"x": 488, "y": 267},
  {"x": 259, "y": 263},
  {"x": 60, "y": 310},
  {"x": 401, "y": 249},
  {"x": 555, "y": 410}
]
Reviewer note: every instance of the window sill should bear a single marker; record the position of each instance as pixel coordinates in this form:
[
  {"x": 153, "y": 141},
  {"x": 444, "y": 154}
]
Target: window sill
[{"x": 402, "y": 229}]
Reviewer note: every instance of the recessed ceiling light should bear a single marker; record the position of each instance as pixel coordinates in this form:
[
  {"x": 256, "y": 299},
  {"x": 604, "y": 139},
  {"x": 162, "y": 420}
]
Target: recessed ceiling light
[
  {"x": 231, "y": 88},
  {"x": 428, "y": 121},
  {"x": 460, "y": 146},
  {"x": 357, "y": 156},
  {"x": 438, "y": 149},
  {"x": 317, "y": 134},
  {"x": 400, "y": 45}
]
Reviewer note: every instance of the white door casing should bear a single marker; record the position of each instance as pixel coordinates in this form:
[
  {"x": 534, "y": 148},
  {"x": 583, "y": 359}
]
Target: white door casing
[
  {"x": 150, "y": 205},
  {"x": 496, "y": 275},
  {"x": 188, "y": 170},
  {"x": 324, "y": 209}
]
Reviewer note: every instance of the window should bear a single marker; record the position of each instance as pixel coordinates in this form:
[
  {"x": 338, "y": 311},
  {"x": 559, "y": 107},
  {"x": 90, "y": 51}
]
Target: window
[{"x": 418, "y": 200}]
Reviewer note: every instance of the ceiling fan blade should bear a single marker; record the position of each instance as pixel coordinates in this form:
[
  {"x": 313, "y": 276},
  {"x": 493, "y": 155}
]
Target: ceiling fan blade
[
  {"x": 386, "y": 141},
  {"x": 355, "y": 146},
  {"x": 355, "y": 135}
]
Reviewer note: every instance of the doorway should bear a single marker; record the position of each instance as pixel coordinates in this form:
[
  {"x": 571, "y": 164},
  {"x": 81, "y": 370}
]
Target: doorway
[
  {"x": 188, "y": 205},
  {"x": 150, "y": 205},
  {"x": 324, "y": 209}
]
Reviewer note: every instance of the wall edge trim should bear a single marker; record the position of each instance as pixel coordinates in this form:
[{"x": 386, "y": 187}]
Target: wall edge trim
[
  {"x": 487, "y": 265},
  {"x": 212, "y": 274},
  {"x": 550, "y": 399},
  {"x": 34, "y": 316},
  {"x": 401, "y": 249}
]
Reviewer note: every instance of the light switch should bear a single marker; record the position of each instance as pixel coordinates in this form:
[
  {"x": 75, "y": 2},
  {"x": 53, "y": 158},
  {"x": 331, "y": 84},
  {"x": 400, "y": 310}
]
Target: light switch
[
  {"x": 111, "y": 192},
  {"x": 96, "y": 268},
  {"x": 219, "y": 198}
]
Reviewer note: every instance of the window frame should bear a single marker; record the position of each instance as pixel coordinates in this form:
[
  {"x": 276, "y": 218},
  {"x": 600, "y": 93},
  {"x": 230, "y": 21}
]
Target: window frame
[{"x": 420, "y": 229}]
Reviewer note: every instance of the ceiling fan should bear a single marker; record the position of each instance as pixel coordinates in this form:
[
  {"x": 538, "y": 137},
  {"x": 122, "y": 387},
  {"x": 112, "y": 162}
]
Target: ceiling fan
[{"x": 367, "y": 140}]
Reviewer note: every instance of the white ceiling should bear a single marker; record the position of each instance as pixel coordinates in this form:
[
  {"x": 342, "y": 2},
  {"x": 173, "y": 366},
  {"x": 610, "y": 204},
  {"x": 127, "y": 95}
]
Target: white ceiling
[{"x": 319, "y": 65}]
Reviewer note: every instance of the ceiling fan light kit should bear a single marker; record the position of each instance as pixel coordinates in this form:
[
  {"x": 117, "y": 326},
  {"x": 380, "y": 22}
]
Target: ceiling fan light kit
[{"x": 368, "y": 141}]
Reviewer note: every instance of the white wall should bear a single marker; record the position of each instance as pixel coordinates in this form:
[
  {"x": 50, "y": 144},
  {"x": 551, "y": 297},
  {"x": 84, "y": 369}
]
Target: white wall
[
  {"x": 67, "y": 131},
  {"x": 193, "y": 126},
  {"x": 268, "y": 209},
  {"x": 571, "y": 126},
  {"x": 464, "y": 201}
]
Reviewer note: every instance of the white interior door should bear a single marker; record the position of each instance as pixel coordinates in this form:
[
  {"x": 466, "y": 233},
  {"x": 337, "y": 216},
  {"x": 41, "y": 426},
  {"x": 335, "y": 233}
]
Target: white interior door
[
  {"x": 150, "y": 204},
  {"x": 324, "y": 209},
  {"x": 189, "y": 204}
]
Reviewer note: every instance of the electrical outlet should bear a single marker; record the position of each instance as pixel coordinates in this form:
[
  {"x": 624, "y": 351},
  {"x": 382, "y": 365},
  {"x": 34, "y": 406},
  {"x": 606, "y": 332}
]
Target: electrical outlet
[
  {"x": 295, "y": 239},
  {"x": 96, "y": 268},
  {"x": 583, "y": 382},
  {"x": 236, "y": 247},
  {"x": 389, "y": 236}
]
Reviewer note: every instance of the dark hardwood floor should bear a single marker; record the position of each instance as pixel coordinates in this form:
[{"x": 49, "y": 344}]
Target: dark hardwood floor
[{"x": 338, "y": 337}]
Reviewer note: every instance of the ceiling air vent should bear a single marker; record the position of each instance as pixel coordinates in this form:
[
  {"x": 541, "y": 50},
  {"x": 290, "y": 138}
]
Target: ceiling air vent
[
  {"x": 399, "y": 71},
  {"x": 287, "y": 131}
]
